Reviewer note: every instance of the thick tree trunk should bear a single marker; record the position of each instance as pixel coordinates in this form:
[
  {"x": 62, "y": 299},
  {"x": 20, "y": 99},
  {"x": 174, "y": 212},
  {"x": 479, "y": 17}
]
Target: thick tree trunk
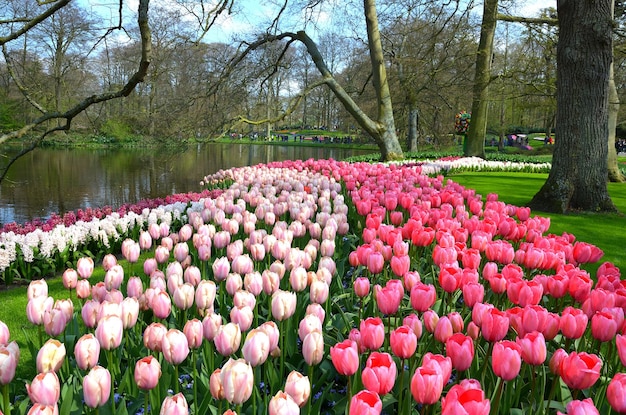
[
  {"x": 578, "y": 178},
  {"x": 478, "y": 126}
]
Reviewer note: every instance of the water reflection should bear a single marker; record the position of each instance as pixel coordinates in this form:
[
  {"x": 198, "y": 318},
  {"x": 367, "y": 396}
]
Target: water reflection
[{"x": 48, "y": 180}]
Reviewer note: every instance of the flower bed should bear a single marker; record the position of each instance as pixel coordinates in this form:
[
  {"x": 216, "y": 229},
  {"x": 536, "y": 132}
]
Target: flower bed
[{"x": 326, "y": 287}]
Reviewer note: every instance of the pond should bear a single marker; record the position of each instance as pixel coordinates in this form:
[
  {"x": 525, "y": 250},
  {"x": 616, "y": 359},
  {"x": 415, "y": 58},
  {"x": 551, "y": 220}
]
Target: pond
[{"x": 48, "y": 181}]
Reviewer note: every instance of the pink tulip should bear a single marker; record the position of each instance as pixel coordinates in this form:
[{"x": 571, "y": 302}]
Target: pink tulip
[
  {"x": 227, "y": 339},
  {"x": 283, "y": 305},
  {"x": 361, "y": 286},
  {"x": 375, "y": 263},
  {"x": 210, "y": 324},
  {"x": 39, "y": 409},
  {"x": 443, "y": 329},
  {"x": 283, "y": 404},
  {"x": 83, "y": 289},
  {"x": 253, "y": 282},
  {"x": 51, "y": 356},
  {"x": 366, "y": 402},
  {"x": 175, "y": 405},
  {"x": 495, "y": 325},
  {"x": 109, "y": 332},
  {"x": 237, "y": 381},
  {"x": 444, "y": 362},
  {"x": 298, "y": 387},
  {"x": 205, "y": 294},
  {"x": 37, "y": 288},
  {"x": 147, "y": 373},
  {"x": 161, "y": 254},
  {"x": 184, "y": 296},
  {"x": 84, "y": 267},
  {"x": 97, "y": 387},
  {"x": 313, "y": 348},
  {"x": 153, "y": 336},
  {"x": 37, "y": 307},
  {"x": 87, "y": 352},
  {"x": 379, "y": 374},
  {"x": 161, "y": 304},
  {"x": 8, "y": 363},
  {"x": 54, "y": 322},
  {"x": 256, "y": 347},
  {"x": 242, "y": 316},
  {"x": 45, "y": 389},
  {"x": 175, "y": 347},
  {"x": 234, "y": 283},
  {"x": 215, "y": 384},
  {"x": 194, "y": 332},
  {"x": 70, "y": 278}
]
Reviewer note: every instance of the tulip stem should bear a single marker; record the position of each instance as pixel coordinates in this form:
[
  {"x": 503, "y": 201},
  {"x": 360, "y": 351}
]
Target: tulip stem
[
  {"x": 147, "y": 402},
  {"x": 401, "y": 388},
  {"x": 498, "y": 396},
  {"x": 7, "y": 402},
  {"x": 194, "y": 359},
  {"x": 176, "y": 381},
  {"x": 309, "y": 403}
]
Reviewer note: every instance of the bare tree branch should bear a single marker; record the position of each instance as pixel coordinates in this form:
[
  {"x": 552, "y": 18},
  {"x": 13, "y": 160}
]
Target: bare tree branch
[
  {"x": 36, "y": 20},
  {"x": 70, "y": 114}
]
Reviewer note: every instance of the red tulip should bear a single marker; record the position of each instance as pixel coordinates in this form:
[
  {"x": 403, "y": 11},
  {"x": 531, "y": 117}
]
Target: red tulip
[
  {"x": 97, "y": 387},
  {"x": 403, "y": 342},
  {"x": 372, "y": 333},
  {"x": 580, "y": 370},
  {"x": 345, "y": 357},
  {"x": 423, "y": 296},
  {"x": 573, "y": 322},
  {"x": 533, "y": 348},
  {"x": 366, "y": 402},
  {"x": 379, "y": 374},
  {"x": 494, "y": 325},
  {"x": 460, "y": 350},
  {"x": 375, "y": 262},
  {"x": 427, "y": 384},
  {"x": 466, "y": 397},
  {"x": 616, "y": 392},
  {"x": 506, "y": 359},
  {"x": 604, "y": 326}
]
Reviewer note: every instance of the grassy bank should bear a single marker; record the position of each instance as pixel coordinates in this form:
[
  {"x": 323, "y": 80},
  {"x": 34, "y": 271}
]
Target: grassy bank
[{"x": 603, "y": 230}]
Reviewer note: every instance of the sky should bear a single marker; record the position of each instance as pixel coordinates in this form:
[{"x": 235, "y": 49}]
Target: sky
[{"x": 256, "y": 11}]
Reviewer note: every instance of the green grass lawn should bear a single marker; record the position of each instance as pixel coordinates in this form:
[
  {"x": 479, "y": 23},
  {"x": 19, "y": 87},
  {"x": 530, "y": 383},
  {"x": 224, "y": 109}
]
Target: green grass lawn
[{"x": 607, "y": 231}]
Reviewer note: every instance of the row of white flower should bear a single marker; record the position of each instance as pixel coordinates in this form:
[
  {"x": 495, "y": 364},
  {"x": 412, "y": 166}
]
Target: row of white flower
[{"x": 115, "y": 227}]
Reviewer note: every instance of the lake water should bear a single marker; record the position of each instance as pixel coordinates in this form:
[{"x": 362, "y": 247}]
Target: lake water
[{"x": 46, "y": 181}]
